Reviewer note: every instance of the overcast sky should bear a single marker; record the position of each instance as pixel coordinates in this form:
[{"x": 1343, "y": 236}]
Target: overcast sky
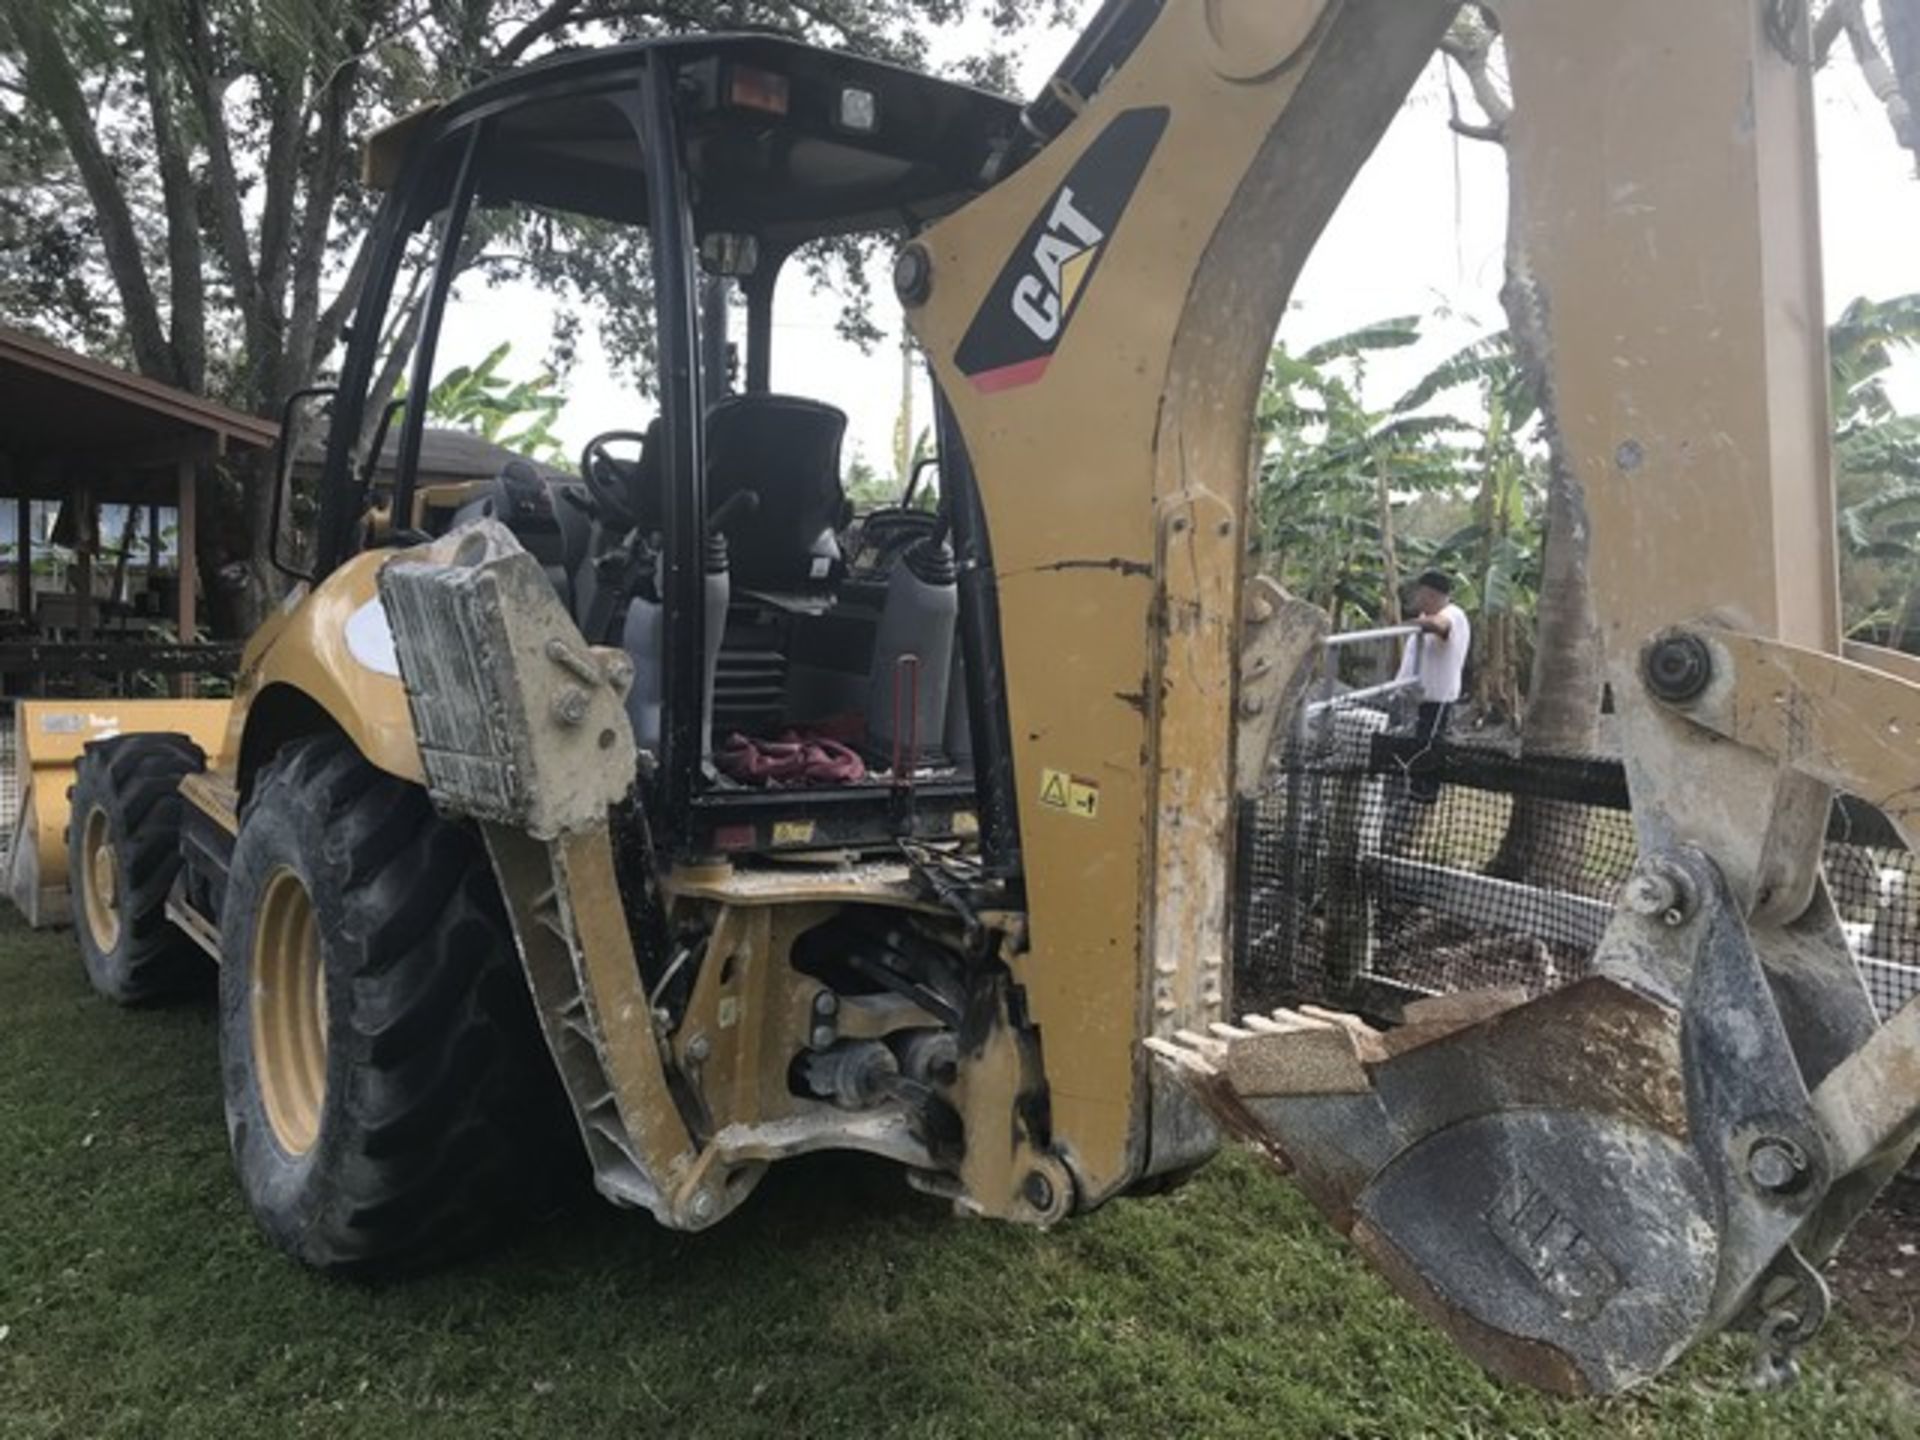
[{"x": 1420, "y": 233}]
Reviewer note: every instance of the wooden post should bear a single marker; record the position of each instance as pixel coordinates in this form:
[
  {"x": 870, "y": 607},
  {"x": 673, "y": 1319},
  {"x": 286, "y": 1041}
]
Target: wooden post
[
  {"x": 86, "y": 531},
  {"x": 129, "y": 528},
  {"x": 189, "y": 567},
  {"x": 23, "y": 585},
  {"x": 23, "y": 558}
]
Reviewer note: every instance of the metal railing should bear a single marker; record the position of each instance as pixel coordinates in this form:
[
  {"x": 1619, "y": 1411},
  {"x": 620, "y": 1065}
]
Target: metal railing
[{"x": 1316, "y": 711}]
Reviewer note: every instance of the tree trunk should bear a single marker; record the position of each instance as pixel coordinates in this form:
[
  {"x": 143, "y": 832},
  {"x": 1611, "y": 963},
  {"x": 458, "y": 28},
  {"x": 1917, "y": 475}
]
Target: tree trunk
[
  {"x": 1563, "y": 693},
  {"x": 1491, "y": 681},
  {"x": 1901, "y": 19},
  {"x": 1389, "y": 550},
  {"x": 51, "y": 82},
  {"x": 903, "y": 423},
  {"x": 1546, "y": 840}
]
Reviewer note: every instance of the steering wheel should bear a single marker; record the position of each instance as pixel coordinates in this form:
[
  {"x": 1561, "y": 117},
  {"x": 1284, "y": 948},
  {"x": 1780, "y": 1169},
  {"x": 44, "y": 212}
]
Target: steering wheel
[{"x": 610, "y": 480}]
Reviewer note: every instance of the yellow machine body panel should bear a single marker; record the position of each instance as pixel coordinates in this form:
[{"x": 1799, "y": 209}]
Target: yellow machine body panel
[
  {"x": 325, "y": 658},
  {"x": 50, "y": 736},
  {"x": 1102, "y": 369}
]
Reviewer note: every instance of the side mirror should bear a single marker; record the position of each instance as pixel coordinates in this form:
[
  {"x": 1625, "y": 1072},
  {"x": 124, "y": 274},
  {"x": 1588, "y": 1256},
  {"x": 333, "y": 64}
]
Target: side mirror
[{"x": 291, "y": 418}]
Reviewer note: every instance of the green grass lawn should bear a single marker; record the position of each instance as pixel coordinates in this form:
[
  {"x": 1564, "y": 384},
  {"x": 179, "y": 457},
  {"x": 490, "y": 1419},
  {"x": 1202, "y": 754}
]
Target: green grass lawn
[{"x": 136, "y": 1299}]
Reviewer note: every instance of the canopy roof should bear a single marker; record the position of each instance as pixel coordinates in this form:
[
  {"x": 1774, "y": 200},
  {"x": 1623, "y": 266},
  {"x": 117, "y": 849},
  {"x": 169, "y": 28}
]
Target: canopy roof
[{"x": 560, "y": 138}]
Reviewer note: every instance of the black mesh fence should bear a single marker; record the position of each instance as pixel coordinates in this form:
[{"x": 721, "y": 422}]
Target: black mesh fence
[{"x": 1377, "y": 867}]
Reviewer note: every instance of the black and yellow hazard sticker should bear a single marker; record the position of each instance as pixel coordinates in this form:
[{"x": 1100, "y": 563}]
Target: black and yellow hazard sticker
[
  {"x": 1013, "y": 338},
  {"x": 1070, "y": 794}
]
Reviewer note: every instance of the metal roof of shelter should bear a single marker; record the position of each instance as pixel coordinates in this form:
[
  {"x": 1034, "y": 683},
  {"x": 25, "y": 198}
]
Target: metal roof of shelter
[
  {"x": 447, "y": 456},
  {"x": 62, "y": 413}
]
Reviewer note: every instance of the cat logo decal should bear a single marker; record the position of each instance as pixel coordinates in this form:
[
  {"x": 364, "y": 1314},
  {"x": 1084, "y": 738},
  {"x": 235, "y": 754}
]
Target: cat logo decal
[{"x": 1027, "y": 313}]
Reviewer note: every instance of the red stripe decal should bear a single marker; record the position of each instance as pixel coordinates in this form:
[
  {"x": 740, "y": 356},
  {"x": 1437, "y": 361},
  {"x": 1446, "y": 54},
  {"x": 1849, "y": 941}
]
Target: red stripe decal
[{"x": 1010, "y": 377}]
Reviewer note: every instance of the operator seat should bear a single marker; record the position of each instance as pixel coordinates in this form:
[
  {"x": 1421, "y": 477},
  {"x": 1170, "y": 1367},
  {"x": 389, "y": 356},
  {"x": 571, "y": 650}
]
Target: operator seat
[{"x": 786, "y": 450}]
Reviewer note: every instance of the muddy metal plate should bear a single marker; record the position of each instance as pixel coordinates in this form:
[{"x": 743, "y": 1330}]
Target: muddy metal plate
[
  {"x": 1560, "y": 1248},
  {"x": 519, "y": 720}
]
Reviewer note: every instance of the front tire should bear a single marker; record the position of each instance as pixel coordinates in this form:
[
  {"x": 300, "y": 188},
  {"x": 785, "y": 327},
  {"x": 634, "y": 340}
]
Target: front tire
[
  {"x": 389, "y": 1099},
  {"x": 123, "y": 851}
]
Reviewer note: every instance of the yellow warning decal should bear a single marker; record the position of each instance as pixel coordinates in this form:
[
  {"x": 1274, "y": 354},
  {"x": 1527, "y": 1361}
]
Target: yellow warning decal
[
  {"x": 1077, "y": 797},
  {"x": 793, "y": 832}
]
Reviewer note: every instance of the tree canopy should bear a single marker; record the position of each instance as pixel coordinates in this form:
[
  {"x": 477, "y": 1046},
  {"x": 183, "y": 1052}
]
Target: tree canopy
[
  {"x": 1454, "y": 473},
  {"x": 179, "y": 178}
]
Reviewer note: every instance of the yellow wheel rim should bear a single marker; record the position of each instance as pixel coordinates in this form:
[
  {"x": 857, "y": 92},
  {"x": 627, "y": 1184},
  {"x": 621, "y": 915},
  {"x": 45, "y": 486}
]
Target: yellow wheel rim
[
  {"x": 100, "y": 882},
  {"x": 289, "y": 1012}
]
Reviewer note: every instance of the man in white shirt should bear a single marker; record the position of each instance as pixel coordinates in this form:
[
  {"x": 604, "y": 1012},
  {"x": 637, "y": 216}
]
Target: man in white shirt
[{"x": 1437, "y": 658}]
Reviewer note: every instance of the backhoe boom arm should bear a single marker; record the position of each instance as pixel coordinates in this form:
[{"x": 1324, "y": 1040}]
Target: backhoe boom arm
[{"x": 1579, "y": 1188}]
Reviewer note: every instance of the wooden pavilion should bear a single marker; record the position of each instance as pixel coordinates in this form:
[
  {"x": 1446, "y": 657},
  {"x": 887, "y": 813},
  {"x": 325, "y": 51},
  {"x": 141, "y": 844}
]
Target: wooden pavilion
[{"x": 88, "y": 435}]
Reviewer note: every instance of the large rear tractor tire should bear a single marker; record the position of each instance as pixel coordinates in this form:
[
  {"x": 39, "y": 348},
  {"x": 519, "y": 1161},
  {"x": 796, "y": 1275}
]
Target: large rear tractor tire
[
  {"x": 389, "y": 1099},
  {"x": 123, "y": 851}
]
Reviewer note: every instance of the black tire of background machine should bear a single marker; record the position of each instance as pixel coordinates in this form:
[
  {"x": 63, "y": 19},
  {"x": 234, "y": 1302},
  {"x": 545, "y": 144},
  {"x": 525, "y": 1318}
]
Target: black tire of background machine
[
  {"x": 134, "y": 782},
  {"x": 443, "y": 1123}
]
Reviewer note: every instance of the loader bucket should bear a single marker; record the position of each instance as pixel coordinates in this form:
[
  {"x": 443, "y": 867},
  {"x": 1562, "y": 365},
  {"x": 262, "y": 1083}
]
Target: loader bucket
[
  {"x": 1579, "y": 1187},
  {"x": 50, "y": 736}
]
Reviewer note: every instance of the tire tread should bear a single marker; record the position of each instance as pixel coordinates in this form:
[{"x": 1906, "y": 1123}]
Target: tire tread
[
  {"x": 448, "y": 1125},
  {"x": 136, "y": 779}
]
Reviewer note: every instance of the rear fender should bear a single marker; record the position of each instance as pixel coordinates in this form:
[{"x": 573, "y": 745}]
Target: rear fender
[{"x": 325, "y": 661}]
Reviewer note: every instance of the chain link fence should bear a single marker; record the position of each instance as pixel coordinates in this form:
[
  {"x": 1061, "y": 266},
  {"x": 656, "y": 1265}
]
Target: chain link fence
[{"x": 1377, "y": 867}]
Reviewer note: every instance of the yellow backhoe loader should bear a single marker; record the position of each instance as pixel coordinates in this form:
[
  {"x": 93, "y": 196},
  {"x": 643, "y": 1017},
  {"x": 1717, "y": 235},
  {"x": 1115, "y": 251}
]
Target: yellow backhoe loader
[{"x": 489, "y": 882}]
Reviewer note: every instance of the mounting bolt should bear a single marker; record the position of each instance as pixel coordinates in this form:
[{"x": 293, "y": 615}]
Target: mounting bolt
[
  {"x": 826, "y": 1003},
  {"x": 1660, "y": 890},
  {"x": 1776, "y": 1164},
  {"x": 1037, "y": 1191},
  {"x": 823, "y": 1037},
  {"x": 913, "y": 276},
  {"x": 569, "y": 706},
  {"x": 1652, "y": 894},
  {"x": 698, "y": 1049},
  {"x": 703, "y": 1207},
  {"x": 1677, "y": 668}
]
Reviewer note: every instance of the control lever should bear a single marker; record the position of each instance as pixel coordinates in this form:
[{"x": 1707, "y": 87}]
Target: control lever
[
  {"x": 618, "y": 573},
  {"x": 906, "y": 727}
]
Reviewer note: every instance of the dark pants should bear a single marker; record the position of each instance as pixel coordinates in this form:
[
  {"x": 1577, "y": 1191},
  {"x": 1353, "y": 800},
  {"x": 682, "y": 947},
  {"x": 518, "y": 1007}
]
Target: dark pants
[
  {"x": 1411, "y": 794},
  {"x": 1429, "y": 729}
]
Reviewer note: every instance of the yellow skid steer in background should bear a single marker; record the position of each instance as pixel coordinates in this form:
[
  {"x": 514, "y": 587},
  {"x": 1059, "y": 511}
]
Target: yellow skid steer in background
[{"x": 49, "y": 737}]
